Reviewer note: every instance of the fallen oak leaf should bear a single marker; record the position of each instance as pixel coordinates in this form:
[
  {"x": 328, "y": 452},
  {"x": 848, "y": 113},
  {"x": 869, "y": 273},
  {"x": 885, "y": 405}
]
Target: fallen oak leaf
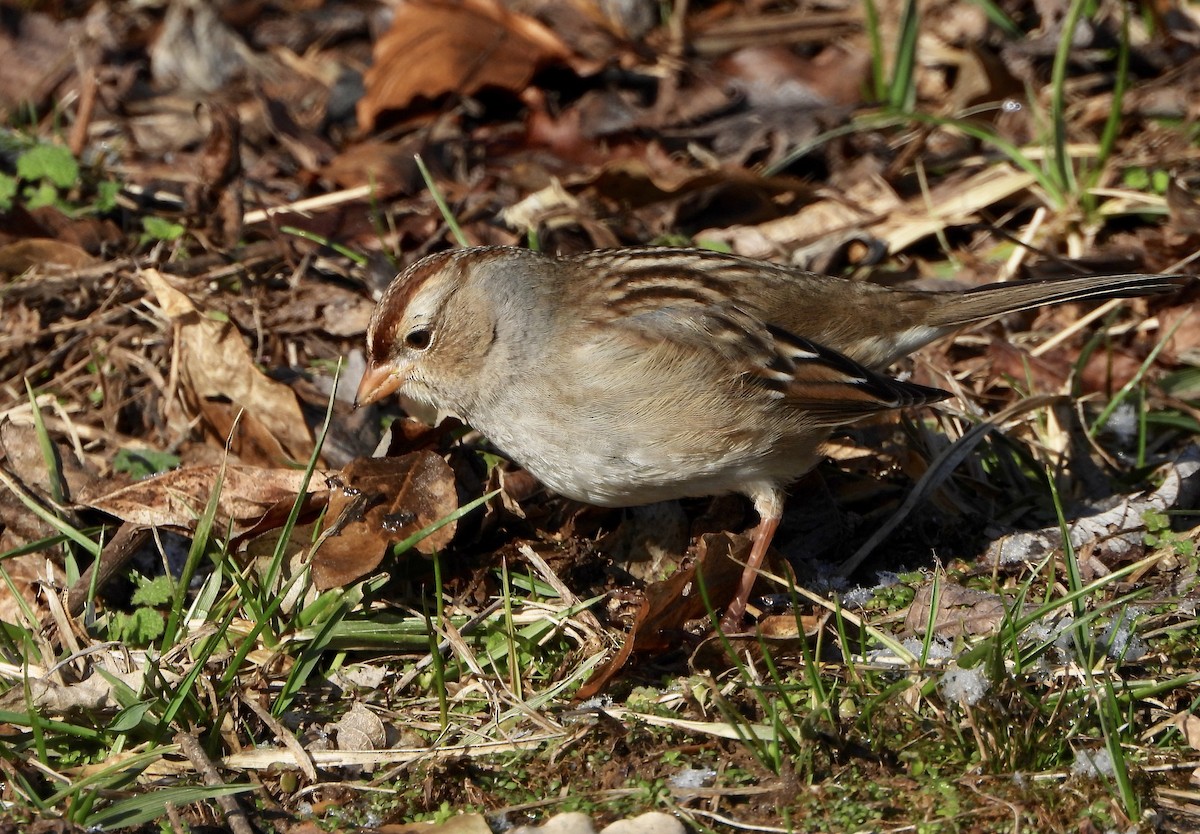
[
  {"x": 376, "y": 502},
  {"x": 436, "y": 47}
]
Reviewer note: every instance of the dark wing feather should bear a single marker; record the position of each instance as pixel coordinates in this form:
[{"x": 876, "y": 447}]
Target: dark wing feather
[{"x": 832, "y": 387}]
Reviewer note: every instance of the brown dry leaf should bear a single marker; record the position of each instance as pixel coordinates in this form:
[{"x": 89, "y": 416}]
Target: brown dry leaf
[
  {"x": 953, "y": 203},
  {"x": 435, "y": 47},
  {"x": 1189, "y": 725},
  {"x": 216, "y": 193},
  {"x": 97, "y": 693},
  {"x": 649, "y": 541},
  {"x": 20, "y": 256},
  {"x": 91, "y": 234},
  {"x": 1183, "y": 323},
  {"x": 24, "y": 463},
  {"x": 1183, "y": 208},
  {"x": 25, "y": 572},
  {"x": 177, "y": 499},
  {"x": 35, "y": 59},
  {"x": 224, "y": 380},
  {"x": 334, "y": 310},
  {"x": 897, "y": 225},
  {"x": 381, "y": 501},
  {"x": 360, "y": 729},
  {"x": 669, "y": 604},
  {"x": 388, "y": 167},
  {"x": 774, "y": 76},
  {"x": 1006, "y": 360},
  {"x": 641, "y": 182},
  {"x": 595, "y": 28},
  {"x": 1106, "y": 371},
  {"x": 1118, "y": 530},
  {"x": 960, "y": 611},
  {"x": 781, "y": 635},
  {"x": 677, "y": 599},
  {"x": 784, "y": 626},
  {"x": 22, "y": 455},
  {"x": 295, "y": 131}
]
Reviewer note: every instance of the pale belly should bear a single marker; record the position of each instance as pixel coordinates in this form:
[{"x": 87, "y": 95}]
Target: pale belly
[
  {"x": 615, "y": 464},
  {"x": 625, "y": 431}
]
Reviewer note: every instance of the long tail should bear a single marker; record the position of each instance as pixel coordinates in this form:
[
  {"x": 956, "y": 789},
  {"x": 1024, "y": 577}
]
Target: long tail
[{"x": 999, "y": 299}]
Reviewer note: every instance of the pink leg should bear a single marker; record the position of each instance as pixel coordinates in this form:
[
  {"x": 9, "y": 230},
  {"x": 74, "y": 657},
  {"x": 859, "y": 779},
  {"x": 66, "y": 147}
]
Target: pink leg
[{"x": 731, "y": 623}]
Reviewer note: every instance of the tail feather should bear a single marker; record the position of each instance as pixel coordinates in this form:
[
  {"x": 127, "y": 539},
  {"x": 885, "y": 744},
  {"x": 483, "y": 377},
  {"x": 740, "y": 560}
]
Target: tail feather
[{"x": 1000, "y": 299}]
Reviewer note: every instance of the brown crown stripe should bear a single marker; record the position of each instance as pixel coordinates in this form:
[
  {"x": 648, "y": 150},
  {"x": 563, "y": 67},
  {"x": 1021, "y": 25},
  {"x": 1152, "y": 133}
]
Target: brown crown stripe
[{"x": 397, "y": 297}]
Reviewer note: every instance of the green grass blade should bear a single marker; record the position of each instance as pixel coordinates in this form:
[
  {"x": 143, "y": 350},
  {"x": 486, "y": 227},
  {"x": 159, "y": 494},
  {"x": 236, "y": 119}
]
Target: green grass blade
[
  {"x": 52, "y": 519},
  {"x": 1061, "y": 169},
  {"x": 1114, "y": 121},
  {"x": 875, "y": 39},
  {"x": 149, "y": 807},
  {"x": 440, "y": 200},
  {"x": 58, "y": 488},
  {"x": 902, "y": 90}
]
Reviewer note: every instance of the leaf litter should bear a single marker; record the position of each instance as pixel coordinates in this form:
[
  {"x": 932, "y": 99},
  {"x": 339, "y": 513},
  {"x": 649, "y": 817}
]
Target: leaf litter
[{"x": 243, "y": 188}]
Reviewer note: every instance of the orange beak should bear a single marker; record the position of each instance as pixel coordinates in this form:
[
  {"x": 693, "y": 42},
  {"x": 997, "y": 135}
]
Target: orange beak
[{"x": 377, "y": 383}]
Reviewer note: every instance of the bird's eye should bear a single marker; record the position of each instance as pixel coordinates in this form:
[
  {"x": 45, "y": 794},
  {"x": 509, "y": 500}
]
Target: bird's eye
[{"x": 419, "y": 339}]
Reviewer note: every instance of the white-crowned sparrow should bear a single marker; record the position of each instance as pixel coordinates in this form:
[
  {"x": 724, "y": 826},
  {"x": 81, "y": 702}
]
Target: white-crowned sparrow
[{"x": 628, "y": 376}]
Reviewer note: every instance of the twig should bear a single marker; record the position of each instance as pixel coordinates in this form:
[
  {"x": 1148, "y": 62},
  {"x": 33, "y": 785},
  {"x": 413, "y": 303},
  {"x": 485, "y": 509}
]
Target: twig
[
  {"x": 310, "y": 204},
  {"x": 303, "y": 760},
  {"x": 127, "y": 541},
  {"x": 238, "y": 822}
]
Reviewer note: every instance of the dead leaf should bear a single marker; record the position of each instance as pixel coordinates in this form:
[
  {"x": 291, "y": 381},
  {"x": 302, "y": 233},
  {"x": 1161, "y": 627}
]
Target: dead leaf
[
  {"x": 1119, "y": 529},
  {"x": 177, "y": 499},
  {"x": 215, "y": 196},
  {"x": 435, "y": 47},
  {"x": 35, "y": 60},
  {"x": 378, "y": 501},
  {"x": 26, "y": 572},
  {"x": 774, "y": 76},
  {"x": 650, "y": 540},
  {"x": 896, "y": 224},
  {"x": 360, "y": 729},
  {"x": 22, "y": 458},
  {"x": 640, "y": 182},
  {"x": 222, "y": 376},
  {"x": 95, "y": 694},
  {"x": 1189, "y": 725},
  {"x": 335, "y": 310},
  {"x": 387, "y": 167},
  {"x": 196, "y": 50},
  {"x": 1183, "y": 323},
  {"x": 23, "y": 255},
  {"x": 1183, "y": 208},
  {"x": 669, "y": 604},
  {"x": 782, "y": 636},
  {"x": 22, "y": 454},
  {"x": 960, "y": 611}
]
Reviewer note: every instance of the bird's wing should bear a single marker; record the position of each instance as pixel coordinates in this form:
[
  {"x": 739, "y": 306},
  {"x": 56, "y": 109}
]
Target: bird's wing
[{"x": 691, "y": 303}]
